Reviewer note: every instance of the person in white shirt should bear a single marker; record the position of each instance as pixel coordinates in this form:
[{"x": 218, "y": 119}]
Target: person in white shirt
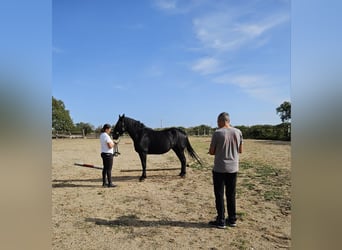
[{"x": 107, "y": 146}]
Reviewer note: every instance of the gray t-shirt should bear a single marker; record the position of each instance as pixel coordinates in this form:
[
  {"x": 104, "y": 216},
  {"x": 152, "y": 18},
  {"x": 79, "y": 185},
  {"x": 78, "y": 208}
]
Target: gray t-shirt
[{"x": 226, "y": 142}]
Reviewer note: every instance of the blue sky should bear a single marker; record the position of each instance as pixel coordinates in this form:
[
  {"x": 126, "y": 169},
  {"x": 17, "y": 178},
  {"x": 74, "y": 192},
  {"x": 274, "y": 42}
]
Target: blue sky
[{"x": 172, "y": 62}]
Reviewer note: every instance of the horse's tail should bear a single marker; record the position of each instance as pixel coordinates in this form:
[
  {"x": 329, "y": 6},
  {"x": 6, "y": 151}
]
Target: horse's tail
[{"x": 192, "y": 152}]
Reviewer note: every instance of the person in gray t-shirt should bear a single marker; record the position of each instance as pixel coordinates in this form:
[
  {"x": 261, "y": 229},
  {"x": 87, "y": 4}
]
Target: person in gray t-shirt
[{"x": 226, "y": 144}]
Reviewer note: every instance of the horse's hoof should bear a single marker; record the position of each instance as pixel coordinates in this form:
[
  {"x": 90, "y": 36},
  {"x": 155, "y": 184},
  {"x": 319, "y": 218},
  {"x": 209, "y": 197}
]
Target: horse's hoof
[{"x": 142, "y": 179}]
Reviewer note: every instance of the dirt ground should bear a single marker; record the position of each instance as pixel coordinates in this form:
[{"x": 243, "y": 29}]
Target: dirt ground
[{"x": 166, "y": 211}]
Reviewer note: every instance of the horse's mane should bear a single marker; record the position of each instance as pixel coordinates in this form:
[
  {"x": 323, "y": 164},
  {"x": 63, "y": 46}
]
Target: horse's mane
[
  {"x": 134, "y": 123},
  {"x": 139, "y": 125}
]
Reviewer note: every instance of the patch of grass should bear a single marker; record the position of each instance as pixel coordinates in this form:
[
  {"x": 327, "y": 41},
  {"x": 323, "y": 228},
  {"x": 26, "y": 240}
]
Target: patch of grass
[
  {"x": 265, "y": 170},
  {"x": 273, "y": 183},
  {"x": 245, "y": 165},
  {"x": 196, "y": 165},
  {"x": 273, "y": 194},
  {"x": 239, "y": 243},
  {"x": 241, "y": 215},
  {"x": 248, "y": 185},
  {"x": 268, "y": 175}
]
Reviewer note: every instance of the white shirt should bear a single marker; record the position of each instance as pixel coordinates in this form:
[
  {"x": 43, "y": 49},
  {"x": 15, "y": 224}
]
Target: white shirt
[{"x": 104, "y": 139}]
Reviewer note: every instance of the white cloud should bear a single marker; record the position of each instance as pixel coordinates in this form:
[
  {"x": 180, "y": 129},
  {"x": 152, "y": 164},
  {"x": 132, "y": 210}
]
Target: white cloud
[
  {"x": 225, "y": 31},
  {"x": 256, "y": 29},
  {"x": 213, "y": 31},
  {"x": 206, "y": 65},
  {"x": 166, "y": 4},
  {"x": 257, "y": 86},
  {"x": 179, "y": 6}
]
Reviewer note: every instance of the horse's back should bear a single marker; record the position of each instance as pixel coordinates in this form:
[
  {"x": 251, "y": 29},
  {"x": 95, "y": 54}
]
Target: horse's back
[{"x": 161, "y": 141}]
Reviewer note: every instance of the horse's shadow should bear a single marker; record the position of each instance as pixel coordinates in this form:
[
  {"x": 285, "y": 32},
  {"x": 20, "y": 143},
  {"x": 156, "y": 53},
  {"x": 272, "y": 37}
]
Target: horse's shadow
[
  {"x": 134, "y": 221},
  {"x": 69, "y": 182}
]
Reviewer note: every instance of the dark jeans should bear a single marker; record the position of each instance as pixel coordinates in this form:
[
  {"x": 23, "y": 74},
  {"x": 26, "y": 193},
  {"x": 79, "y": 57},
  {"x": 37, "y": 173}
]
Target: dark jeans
[
  {"x": 222, "y": 181},
  {"x": 107, "y": 160}
]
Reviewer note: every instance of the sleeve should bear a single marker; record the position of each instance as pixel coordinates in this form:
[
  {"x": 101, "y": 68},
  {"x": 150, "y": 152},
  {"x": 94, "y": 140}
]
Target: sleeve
[
  {"x": 108, "y": 139},
  {"x": 241, "y": 137},
  {"x": 213, "y": 140}
]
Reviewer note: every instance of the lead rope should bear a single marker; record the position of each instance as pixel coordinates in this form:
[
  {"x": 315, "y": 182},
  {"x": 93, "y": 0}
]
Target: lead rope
[{"x": 116, "y": 148}]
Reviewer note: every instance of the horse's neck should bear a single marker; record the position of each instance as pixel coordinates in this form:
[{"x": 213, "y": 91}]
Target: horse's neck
[{"x": 134, "y": 128}]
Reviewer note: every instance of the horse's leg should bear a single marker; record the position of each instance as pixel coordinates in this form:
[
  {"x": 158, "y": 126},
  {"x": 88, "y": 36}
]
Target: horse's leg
[
  {"x": 143, "y": 164},
  {"x": 181, "y": 156}
]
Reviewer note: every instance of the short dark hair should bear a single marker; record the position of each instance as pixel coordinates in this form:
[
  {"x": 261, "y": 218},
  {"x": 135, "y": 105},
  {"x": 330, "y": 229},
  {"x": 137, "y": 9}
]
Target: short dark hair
[
  {"x": 224, "y": 116},
  {"x": 106, "y": 126}
]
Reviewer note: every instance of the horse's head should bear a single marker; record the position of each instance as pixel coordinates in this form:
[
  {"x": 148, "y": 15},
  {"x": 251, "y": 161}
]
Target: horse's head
[{"x": 119, "y": 128}]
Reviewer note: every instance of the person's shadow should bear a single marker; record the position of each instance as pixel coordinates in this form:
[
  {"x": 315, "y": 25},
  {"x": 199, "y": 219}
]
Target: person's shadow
[
  {"x": 59, "y": 183},
  {"x": 134, "y": 221}
]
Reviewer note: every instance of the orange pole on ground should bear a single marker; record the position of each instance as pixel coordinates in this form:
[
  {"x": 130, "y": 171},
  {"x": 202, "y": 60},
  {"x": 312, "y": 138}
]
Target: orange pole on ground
[{"x": 87, "y": 165}]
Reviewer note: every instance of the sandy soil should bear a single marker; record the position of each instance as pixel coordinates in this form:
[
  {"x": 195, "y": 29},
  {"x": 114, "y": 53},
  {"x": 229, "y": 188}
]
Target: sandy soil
[{"x": 166, "y": 211}]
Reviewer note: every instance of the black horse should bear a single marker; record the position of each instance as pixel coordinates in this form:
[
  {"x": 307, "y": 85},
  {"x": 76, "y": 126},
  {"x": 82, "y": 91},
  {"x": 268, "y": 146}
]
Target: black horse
[{"x": 149, "y": 141}]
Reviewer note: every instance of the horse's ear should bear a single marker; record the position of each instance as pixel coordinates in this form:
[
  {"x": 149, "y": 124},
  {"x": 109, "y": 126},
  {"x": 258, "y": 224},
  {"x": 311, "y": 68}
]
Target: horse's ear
[{"x": 123, "y": 115}]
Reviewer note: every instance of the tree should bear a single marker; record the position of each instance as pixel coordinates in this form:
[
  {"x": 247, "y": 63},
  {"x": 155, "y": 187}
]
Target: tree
[
  {"x": 87, "y": 128},
  {"x": 284, "y": 111},
  {"x": 61, "y": 120}
]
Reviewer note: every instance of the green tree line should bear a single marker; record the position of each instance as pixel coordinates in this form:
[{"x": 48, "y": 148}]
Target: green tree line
[{"x": 62, "y": 124}]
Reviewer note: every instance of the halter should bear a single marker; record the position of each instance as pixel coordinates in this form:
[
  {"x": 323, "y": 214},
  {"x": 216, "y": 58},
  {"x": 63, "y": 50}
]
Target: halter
[
  {"x": 122, "y": 129},
  {"x": 123, "y": 125}
]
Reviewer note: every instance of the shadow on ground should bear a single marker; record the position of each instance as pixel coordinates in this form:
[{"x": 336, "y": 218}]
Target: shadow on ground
[
  {"x": 98, "y": 181},
  {"x": 134, "y": 221}
]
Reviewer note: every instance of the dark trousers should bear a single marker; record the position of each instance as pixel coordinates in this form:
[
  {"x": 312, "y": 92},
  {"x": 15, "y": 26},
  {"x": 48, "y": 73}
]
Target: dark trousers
[
  {"x": 107, "y": 159},
  {"x": 221, "y": 182}
]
